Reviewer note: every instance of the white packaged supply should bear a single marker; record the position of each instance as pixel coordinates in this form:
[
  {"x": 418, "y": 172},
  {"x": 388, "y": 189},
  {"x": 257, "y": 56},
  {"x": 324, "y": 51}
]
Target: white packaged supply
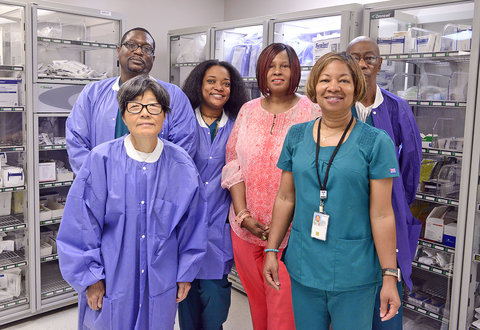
[
  {"x": 397, "y": 45},
  {"x": 3, "y": 281},
  {"x": 3, "y": 159},
  {"x": 14, "y": 278},
  {"x": 426, "y": 43},
  {"x": 55, "y": 208},
  {"x": 9, "y": 92},
  {"x": 45, "y": 249},
  {"x": 12, "y": 176},
  {"x": 434, "y": 224},
  {"x": 5, "y": 296},
  {"x": 7, "y": 245},
  {"x": 64, "y": 175},
  {"x": 384, "y": 45},
  {"x": 325, "y": 44},
  {"x": 47, "y": 172},
  {"x": 45, "y": 213},
  {"x": 5, "y": 203}
]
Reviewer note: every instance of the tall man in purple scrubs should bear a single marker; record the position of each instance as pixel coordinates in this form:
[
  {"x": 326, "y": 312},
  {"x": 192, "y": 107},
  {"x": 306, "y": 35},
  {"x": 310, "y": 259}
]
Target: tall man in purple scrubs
[
  {"x": 389, "y": 112},
  {"x": 95, "y": 117}
]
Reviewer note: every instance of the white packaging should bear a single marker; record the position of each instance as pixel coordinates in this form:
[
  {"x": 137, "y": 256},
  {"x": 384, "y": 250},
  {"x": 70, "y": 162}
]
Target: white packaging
[
  {"x": 384, "y": 45},
  {"x": 45, "y": 249},
  {"x": 3, "y": 282},
  {"x": 450, "y": 229},
  {"x": 5, "y": 296},
  {"x": 5, "y": 203},
  {"x": 426, "y": 43},
  {"x": 56, "y": 209},
  {"x": 14, "y": 285},
  {"x": 325, "y": 44},
  {"x": 7, "y": 246},
  {"x": 45, "y": 213},
  {"x": 64, "y": 176},
  {"x": 434, "y": 224},
  {"x": 12, "y": 176},
  {"x": 9, "y": 92},
  {"x": 398, "y": 45},
  {"x": 47, "y": 172},
  {"x": 3, "y": 159}
]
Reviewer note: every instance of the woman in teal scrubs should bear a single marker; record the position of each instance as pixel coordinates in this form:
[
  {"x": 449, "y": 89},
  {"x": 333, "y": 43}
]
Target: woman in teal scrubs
[{"x": 335, "y": 191}]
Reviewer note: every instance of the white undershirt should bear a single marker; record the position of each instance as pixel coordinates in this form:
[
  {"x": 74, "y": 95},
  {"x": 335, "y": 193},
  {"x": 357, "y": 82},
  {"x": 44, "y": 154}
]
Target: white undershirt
[
  {"x": 363, "y": 112},
  {"x": 146, "y": 157}
]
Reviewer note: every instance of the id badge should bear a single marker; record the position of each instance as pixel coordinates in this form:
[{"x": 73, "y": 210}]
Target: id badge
[{"x": 320, "y": 226}]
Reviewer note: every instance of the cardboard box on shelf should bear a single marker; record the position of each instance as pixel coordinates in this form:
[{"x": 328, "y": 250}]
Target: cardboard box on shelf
[
  {"x": 47, "y": 172},
  {"x": 12, "y": 176}
]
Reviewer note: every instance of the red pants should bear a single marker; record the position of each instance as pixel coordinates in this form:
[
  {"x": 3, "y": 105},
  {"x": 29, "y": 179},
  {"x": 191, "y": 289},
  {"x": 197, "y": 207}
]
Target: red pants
[{"x": 270, "y": 309}]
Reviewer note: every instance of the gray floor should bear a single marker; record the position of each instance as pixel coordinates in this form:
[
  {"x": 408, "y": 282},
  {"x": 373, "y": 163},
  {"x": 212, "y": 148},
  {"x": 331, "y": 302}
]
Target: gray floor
[{"x": 66, "y": 319}]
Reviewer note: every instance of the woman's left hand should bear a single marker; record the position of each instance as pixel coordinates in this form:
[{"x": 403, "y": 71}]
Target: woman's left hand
[
  {"x": 389, "y": 299},
  {"x": 182, "y": 290}
]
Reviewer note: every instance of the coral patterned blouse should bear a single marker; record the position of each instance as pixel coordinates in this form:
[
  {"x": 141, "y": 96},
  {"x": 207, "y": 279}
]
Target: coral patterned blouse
[{"x": 252, "y": 153}]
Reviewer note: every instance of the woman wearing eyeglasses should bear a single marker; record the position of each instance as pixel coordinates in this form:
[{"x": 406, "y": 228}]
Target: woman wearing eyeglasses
[{"x": 133, "y": 232}]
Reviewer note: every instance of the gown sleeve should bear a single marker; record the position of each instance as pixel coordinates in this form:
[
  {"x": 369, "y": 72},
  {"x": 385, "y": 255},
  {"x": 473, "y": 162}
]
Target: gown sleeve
[
  {"x": 78, "y": 130},
  {"x": 79, "y": 236},
  {"x": 232, "y": 171},
  {"x": 192, "y": 229},
  {"x": 411, "y": 152},
  {"x": 183, "y": 131}
]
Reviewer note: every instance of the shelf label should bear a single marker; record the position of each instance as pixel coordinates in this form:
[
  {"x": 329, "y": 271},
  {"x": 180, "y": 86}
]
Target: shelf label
[
  {"x": 437, "y": 103},
  {"x": 56, "y": 40},
  {"x": 425, "y": 103},
  {"x": 427, "y": 55},
  {"x": 429, "y": 198},
  {"x": 105, "y": 12},
  {"x": 403, "y": 56},
  {"x": 449, "y": 104},
  {"x": 435, "y": 270},
  {"x": 415, "y": 55},
  {"x": 174, "y": 38}
]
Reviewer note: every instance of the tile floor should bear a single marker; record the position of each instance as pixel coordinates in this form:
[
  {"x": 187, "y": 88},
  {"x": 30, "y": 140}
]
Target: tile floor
[{"x": 66, "y": 318}]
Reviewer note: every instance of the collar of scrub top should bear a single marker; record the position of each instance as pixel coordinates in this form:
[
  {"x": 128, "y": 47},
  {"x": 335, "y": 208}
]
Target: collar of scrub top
[
  {"x": 139, "y": 156},
  {"x": 116, "y": 85},
  {"x": 363, "y": 112},
  {"x": 221, "y": 123}
]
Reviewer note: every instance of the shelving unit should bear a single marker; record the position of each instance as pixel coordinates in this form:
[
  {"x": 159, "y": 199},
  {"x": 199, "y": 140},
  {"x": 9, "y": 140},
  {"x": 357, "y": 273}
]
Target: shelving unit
[
  {"x": 441, "y": 106},
  {"x": 88, "y": 40}
]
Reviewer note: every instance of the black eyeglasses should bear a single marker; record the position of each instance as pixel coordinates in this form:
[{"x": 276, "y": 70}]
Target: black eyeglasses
[
  {"x": 372, "y": 60},
  {"x": 133, "y": 46},
  {"x": 152, "y": 108}
]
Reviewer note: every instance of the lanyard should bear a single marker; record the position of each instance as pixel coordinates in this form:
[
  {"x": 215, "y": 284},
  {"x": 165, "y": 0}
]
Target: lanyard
[{"x": 323, "y": 187}]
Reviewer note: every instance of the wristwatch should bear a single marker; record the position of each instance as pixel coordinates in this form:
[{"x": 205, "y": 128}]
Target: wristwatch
[{"x": 392, "y": 272}]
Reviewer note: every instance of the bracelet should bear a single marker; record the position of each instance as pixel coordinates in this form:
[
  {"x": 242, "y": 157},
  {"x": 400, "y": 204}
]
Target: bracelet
[
  {"x": 241, "y": 216},
  {"x": 271, "y": 250}
]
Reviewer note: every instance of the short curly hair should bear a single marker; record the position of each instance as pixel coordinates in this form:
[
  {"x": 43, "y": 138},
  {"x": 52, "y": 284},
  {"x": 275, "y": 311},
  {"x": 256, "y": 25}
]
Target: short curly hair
[
  {"x": 192, "y": 87},
  {"x": 265, "y": 59},
  {"x": 360, "y": 90},
  {"x": 137, "y": 86}
]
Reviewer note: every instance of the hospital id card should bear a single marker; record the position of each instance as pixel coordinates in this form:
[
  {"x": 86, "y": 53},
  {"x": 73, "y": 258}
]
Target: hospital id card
[{"x": 320, "y": 226}]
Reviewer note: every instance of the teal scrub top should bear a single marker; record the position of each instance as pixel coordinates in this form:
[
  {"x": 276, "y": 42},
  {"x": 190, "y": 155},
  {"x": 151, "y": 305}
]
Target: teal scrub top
[{"x": 347, "y": 260}]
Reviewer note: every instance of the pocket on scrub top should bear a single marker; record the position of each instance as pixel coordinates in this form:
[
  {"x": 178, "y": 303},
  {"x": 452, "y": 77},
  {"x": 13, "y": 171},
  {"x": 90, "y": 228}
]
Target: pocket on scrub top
[
  {"x": 164, "y": 213},
  {"x": 356, "y": 263}
]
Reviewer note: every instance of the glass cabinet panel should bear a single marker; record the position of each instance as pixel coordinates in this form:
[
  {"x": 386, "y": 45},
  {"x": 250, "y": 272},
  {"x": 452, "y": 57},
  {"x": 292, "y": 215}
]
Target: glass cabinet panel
[
  {"x": 75, "y": 47},
  {"x": 425, "y": 52},
  {"x": 186, "y": 51}
]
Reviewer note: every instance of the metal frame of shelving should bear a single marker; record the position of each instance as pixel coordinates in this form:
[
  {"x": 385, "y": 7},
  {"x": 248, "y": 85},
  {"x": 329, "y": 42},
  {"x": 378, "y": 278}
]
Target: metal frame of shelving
[
  {"x": 52, "y": 291},
  {"x": 457, "y": 316}
]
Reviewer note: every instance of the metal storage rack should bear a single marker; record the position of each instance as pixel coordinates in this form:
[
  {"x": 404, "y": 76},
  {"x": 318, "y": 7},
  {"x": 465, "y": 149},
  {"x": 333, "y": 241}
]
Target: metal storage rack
[
  {"x": 71, "y": 47},
  {"x": 187, "y": 48},
  {"x": 17, "y": 297},
  {"x": 445, "y": 114}
]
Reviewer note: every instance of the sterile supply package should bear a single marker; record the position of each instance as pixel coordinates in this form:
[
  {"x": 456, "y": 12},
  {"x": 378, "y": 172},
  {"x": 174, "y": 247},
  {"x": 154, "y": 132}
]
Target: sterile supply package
[
  {"x": 384, "y": 45},
  {"x": 47, "y": 172},
  {"x": 69, "y": 69},
  {"x": 9, "y": 92},
  {"x": 193, "y": 50},
  {"x": 325, "y": 44},
  {"x": 456, "y": 37},
  {"x": 12, "y": 176}
]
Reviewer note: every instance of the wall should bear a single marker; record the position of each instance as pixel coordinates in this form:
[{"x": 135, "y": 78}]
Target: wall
[
  {"x": 158, "y": 17},
  {"x": 235, "y": 9}
]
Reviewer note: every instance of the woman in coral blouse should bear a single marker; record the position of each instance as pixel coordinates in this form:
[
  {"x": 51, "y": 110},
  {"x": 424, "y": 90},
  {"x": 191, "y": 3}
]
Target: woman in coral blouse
[{"x": 253, "y": 179}]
